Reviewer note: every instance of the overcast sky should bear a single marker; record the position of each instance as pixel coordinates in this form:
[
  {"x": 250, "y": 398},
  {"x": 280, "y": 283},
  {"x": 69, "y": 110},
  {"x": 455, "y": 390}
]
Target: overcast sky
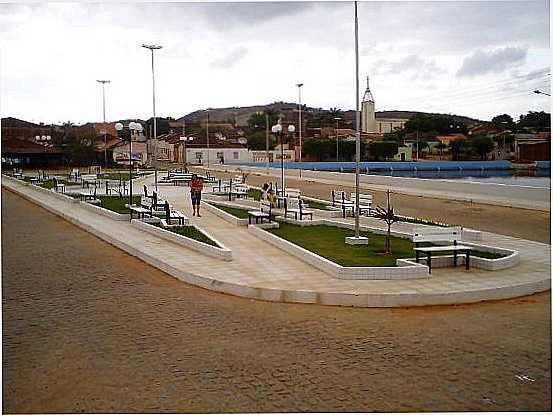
[{"x": 477, "y": 59}]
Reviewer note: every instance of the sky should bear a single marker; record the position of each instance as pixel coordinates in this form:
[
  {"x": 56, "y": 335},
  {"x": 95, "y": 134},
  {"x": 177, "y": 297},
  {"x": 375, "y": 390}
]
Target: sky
[{"x": 471, "y": 58}]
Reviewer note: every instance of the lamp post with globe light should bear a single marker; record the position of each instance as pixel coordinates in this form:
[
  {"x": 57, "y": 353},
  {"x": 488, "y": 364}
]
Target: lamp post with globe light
[{"x": 133, "y": 127}]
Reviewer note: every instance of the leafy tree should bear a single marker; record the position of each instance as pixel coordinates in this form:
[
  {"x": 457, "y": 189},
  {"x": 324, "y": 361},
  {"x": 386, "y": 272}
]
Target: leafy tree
[
  {"x": 384, "y": 149},
  {"x": 422, "y": 144},
  {"x": 322, "y": 149},
  {"x": 441, "y": 146},
  {"x": 482, "y": 145},
  {"x": 504, "y": 121},
  {"x": 438, "y": 124},
  {"x": 458, "y": 148},
  {"x": 537, "y": 121},
  {"x": 81, "y": 150},
  {"x": 257, "y": 119},
  {"x": 257, "y": 140}
]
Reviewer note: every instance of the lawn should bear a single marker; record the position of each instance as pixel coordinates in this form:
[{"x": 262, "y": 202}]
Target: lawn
[
  {"x": 255, "y": 194},
  {"x": 116, "y": 176},
  {"x": 49, "y": 184},
  {"x": 317, "y": 205},
  {"x": 190, "y": 232},
  {"x": 237, "y": 212},
  {"x": 329, "y": 242},
  {"x": 116, "y": 203}
]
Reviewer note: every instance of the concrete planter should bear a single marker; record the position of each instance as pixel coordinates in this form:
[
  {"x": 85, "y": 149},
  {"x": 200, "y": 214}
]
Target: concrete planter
[
  {"x": 220, "y": 252},
  {"x": 105, "y": 212},
  {"x": 405, "y": 269},
  {"x": 224, "y": 215}
]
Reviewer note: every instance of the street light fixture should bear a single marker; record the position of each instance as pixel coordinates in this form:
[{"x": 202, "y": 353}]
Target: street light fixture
[
  {"x": 133, "y": 127},
  {"x": 104, "y": 82},
  {"x": 537, "y": 91},
  {"x": 152, "y": 48}
]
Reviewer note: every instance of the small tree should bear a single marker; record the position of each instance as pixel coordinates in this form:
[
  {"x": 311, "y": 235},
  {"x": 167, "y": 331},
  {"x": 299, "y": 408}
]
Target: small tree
[
  {"x": 441, "y": 146},
  {"x": 388, "y": 216},
  {"x": 482, "y": 145}
]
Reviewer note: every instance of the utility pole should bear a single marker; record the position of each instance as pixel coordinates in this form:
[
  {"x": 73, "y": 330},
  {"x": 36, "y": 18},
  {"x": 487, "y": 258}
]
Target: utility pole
[
  {"x": 152, "y": 48},
  {"x": 299, "y": 119},
  {"x": 357, "y": 129},
  {"x": 267, "y": 139},
  {"x": 207, "y": 133},
  {"x": 104, "y": 82}
]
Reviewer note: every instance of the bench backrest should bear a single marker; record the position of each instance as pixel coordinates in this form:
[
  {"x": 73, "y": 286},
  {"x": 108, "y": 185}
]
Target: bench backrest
[
  {"x": 436, "y": 234},
  {"x": 364, "y": 199},
  {"x": 265, "y": 206},
  {"x": 89, "y": 177},
  {"x": 293, "y": 192},
  {"x": 241, "y": 188}
]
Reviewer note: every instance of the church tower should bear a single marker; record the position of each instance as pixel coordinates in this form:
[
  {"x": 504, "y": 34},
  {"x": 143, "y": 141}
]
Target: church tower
[{"x": 368, "y": 118}]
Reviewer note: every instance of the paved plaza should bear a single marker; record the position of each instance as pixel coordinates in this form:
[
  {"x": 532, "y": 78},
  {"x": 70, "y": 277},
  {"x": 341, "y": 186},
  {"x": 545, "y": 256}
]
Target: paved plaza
[
  {"x": 89, "y": 328},
  {"x": 262, "y": 271}
]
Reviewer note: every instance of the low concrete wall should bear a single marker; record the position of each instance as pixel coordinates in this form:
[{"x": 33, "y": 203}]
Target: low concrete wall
[
  {"x": 105, "y": 212},
  {"x": 220, "y": 252},
  {"x": 404, "y": 270},
  {"x": 224, "y": 215}
]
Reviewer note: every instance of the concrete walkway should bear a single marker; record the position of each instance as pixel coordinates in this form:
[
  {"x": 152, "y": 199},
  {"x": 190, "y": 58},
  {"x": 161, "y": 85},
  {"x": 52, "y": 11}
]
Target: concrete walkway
[{"x": 262, "y": 271}]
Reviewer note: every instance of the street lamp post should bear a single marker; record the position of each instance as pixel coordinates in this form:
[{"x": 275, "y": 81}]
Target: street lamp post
[
  {"x": 207, "y": 134},
  {"x": 133, "y": 127},
  {"x": 104, "y": 82},
  {"x": 299, "y": 119},
  {"x": 184, "y": 140},
  {"x": 336, "y": 133},
  {"x": 277, "y": 130},
  {"x": 152, "y": 48}
]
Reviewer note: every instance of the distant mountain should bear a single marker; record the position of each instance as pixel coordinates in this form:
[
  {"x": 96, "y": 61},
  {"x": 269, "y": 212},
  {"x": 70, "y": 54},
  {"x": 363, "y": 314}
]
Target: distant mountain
[{"x": 242, "y": 114}]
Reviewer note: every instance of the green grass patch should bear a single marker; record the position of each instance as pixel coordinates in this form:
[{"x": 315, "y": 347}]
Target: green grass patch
[
  {"x": 317, "y": 205},
  {"x": 236, "y": 212},
  {"x": 49, "y": 184},
  {"x": 190, "y": 232},
  {"x": 255, "y": 194},
  {"x": 329, "y": 242},
  {"x": 116, "y": 176},
  {"x": 117, "y": 204}
]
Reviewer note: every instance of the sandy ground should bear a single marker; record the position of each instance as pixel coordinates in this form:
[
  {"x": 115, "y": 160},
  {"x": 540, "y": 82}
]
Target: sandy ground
[
  {"x": 521, "y": 223},
  {"x": 88, "y": 328}
]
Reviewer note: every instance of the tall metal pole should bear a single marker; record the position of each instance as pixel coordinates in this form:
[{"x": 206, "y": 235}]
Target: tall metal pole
[
  {"x": 152, "y": 48},
  {"x": 104, "y": 82},
  {"x": 282, "y": 164},
  {"x": 207, "y": 133},
  {"x": 336, "y": 132},
  {"x": 299, "y": 120},
  {"x": 130, "y": 166},
  {"x": 357, "y": 124},
  {"x": 267, "y": 140}
]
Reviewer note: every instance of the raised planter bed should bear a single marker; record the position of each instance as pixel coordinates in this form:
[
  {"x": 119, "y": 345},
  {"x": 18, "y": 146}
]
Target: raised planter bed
[
  {"x": 220, "y": 252},
  {"x": 224, "y": 215}
]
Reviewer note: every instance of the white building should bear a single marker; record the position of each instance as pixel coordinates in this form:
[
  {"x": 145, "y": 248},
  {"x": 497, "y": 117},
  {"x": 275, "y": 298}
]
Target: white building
[
  {"x": 370, "y": 123},
  {"x": 368, "y": 117}
]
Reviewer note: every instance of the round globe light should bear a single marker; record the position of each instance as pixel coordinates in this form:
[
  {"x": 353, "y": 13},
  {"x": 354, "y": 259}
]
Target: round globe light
[
  {"x": 132, "y": 125},
  {"x": 274, "y": 129},
  {"x": 291, "y": 128},
  {"x": 139, "y": 127},
  {"x": 118, "y": 126}
]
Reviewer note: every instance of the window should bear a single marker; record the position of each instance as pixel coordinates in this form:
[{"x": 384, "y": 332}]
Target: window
[{"x": 235, "y": 155}]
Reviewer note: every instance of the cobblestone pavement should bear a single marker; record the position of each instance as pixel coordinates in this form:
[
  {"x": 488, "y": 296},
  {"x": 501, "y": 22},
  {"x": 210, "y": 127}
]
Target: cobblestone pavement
[{"x": 88, "y": 328}]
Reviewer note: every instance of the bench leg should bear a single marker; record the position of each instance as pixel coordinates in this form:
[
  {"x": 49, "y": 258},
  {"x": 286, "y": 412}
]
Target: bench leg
[
  {"x": 467, "y": 262},
  {"x": 429, "y": 262},
  {"x": 417, "y": 256},
  {"x": 249, "y": 219},
  {"x": 454, "y": 258}
]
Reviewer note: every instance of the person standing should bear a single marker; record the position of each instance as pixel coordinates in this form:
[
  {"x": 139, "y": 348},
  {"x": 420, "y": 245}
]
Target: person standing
[{"x": 196, "y": 187}]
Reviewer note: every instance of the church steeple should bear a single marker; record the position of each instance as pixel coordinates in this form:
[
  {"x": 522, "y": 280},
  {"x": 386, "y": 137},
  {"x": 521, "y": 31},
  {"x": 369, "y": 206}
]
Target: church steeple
[{"x": 368, "y": 97}]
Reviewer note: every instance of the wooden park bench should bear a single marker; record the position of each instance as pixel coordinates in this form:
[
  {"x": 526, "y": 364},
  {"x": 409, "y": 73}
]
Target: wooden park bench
[
  {"x": 88, "y": 195},
  {"x": 140, "y": 212},
  {"x": 59, "y": 186},
  {"x": 172, "y": 214},
  {"x": 89, "y": 179},
  {"x": 365, "y": 203},
  {"x": 264, "y": 212},
  {"x": 440, "y": 235},
  {"x": 295, "y": 205}
]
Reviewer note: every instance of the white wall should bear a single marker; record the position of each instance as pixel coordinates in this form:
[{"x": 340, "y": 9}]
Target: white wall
[{"x": 194, "y": 155}]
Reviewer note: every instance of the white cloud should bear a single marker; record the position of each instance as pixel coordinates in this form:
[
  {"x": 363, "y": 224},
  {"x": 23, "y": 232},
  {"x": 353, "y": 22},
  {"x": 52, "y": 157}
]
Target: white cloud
[{"x": 223, "y": 54}]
